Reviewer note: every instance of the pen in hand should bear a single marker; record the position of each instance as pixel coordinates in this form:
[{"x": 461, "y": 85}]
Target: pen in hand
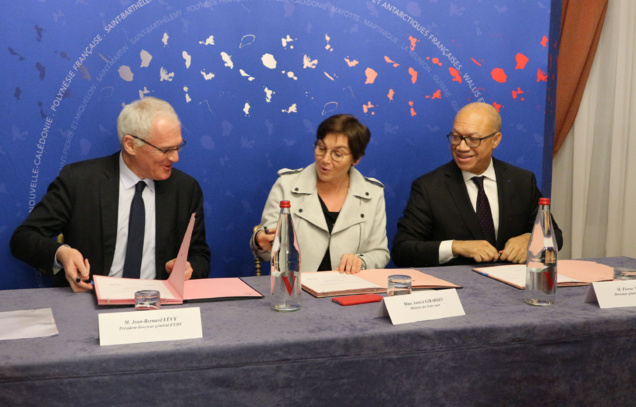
[
  {"x": 267, "y": 233},
  {"x": 78, "y": 279}
]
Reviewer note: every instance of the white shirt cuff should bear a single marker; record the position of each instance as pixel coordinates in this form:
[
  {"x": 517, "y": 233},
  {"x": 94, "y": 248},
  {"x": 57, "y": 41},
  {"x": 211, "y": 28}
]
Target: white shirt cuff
[
  {"x": 446, "y": 251},
  {"x": 56, "y": 265}
]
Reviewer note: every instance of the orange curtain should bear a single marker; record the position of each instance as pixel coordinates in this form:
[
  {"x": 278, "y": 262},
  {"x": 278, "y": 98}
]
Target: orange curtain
[{"x": 581, "y": 25}]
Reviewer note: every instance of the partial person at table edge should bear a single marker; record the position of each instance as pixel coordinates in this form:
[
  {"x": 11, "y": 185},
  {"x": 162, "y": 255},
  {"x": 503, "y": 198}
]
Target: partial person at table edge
[
  {"x": 449, "y": 221},
  {"x": 338, "y": 214},
  {"x": 90, "y": 204}
]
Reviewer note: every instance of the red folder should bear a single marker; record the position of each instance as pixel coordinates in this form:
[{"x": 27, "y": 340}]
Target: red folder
[{"x": 174, "y": 290}]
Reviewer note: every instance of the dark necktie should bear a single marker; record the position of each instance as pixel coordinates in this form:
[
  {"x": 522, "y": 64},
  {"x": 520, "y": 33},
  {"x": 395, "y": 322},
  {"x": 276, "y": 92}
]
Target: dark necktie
[
  {"x": 136, "y": 226},
  {"x": 484, "y": 214}
]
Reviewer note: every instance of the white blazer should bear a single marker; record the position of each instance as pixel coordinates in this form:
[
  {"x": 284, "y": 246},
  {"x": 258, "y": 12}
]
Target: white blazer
[{"x": 360, "y": 228}]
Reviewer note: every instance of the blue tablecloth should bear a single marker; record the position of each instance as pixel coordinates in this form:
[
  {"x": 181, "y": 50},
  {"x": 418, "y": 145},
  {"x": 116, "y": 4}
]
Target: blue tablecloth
[{"x": 502, "y": 352}]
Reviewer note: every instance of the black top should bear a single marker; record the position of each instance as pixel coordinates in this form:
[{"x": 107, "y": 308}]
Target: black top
[{"x": 330, "y": 217}]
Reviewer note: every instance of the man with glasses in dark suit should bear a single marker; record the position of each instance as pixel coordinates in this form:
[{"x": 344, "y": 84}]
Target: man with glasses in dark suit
[
  {"x": 124, "y": 215},
  {"x": 473, "y": 209}
]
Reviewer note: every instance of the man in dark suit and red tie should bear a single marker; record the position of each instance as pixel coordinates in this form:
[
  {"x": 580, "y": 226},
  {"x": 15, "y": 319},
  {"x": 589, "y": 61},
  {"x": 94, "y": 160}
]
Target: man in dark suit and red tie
[
  {"x": 124, "y": 215},
  {"x": 473, "y": 209}
]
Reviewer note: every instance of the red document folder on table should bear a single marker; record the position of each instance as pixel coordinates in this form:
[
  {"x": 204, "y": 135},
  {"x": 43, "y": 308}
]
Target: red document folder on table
[{"x": 174, "y": 290}]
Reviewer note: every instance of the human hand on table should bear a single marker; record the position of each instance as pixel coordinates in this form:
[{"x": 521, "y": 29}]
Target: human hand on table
[
  {"x": 516, "y": 249},
  {"x": 350, "y": 264},
  {"x": 77, "y": 269},
  {"x": 479, "y": 250}
]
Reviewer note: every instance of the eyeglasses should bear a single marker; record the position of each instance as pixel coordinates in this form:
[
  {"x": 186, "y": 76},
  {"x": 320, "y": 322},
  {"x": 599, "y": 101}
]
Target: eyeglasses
[
  {"x": 336, "y": 155},
  {"x": 456, "y": 140},
  {"x": 165, "y": 151}
]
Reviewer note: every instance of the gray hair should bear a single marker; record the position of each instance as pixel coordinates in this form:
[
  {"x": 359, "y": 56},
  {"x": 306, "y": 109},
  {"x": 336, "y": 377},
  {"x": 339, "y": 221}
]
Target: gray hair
[{"x": 137, "y": 117}]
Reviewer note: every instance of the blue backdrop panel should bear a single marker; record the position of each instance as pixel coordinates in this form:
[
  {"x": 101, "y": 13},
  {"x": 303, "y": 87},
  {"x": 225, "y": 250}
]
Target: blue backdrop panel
[{"x": 251, "y": 81}]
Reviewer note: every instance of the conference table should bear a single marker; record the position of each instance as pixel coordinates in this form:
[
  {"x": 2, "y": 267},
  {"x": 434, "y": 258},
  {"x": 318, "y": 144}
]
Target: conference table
[{"x": 502, "y": 352}]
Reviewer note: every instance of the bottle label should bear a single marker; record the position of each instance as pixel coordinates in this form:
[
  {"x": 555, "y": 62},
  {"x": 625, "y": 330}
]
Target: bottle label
[
  {"x": 550, "y": 276},
  {"x": 290, "y": 287}
]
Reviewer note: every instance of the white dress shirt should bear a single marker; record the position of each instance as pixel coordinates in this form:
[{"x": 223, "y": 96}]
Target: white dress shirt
[
  {"x": 127, "y": 182},
  {"x": 490, "y": 188}
]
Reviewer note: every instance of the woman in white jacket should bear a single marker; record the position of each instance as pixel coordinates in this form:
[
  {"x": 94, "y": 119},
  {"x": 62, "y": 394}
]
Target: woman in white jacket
[{"x": 339, "y": 215}]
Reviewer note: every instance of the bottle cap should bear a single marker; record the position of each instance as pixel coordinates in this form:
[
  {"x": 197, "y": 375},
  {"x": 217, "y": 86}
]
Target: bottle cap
[
  {"x": 544, "y": 201},
  {"x": 286, "y": 204}
]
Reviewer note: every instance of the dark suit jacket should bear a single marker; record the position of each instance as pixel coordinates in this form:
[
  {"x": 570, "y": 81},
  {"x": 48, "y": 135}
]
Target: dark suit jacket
[
  {"x": 82, "y": 203},
  {"x": 439, "y": 209}
]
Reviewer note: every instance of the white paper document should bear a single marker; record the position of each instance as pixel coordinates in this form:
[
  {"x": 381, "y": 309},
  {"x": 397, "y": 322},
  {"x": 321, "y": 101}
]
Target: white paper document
[
  {"x": 515, "y": 275},
  {"x": 32, "y": 323},
  {"x": 120, "y": 328},
  {"x": 335, "y": 282},
  {"x": 127, "y": 287},
  {"x": 422, "y": 306},
  {"x": 613, "y": 294}
]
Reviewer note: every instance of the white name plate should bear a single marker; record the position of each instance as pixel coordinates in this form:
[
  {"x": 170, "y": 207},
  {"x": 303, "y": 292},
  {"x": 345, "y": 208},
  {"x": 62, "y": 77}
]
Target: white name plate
[
  {"x": 422, "y": 306},
  {"x": 613, "y": 294},
  {"x": 149, "y": 326}
]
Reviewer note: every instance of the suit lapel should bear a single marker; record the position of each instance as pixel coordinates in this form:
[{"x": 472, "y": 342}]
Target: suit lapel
[
  {"x": 311, "y": 211},
  {"x": 352, "y": 209},
  {"x": 109, "y": 205},
  {"x": 504, "y": 193},
  {"x": 457, "y": 188},
  {"x": 350, "y": 214},
  {"x": 304, "y": 191},
  {"x": 162, "y": 227}
]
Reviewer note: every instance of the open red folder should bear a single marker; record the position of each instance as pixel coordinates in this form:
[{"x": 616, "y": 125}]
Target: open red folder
[
  {"x": 332, "y": 283},
  {"x": 174, "y": 290}
]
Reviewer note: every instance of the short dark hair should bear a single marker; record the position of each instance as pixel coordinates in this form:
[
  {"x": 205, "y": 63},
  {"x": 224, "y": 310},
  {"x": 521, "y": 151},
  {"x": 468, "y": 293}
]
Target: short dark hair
[{"x": 357, "y": 133}]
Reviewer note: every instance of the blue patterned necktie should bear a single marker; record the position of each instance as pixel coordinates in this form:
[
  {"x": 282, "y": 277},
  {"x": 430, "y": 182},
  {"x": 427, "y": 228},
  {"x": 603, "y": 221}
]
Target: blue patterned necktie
[
  {"x": 136, "y": 226},
  {"x": 484, "y": 214}
]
